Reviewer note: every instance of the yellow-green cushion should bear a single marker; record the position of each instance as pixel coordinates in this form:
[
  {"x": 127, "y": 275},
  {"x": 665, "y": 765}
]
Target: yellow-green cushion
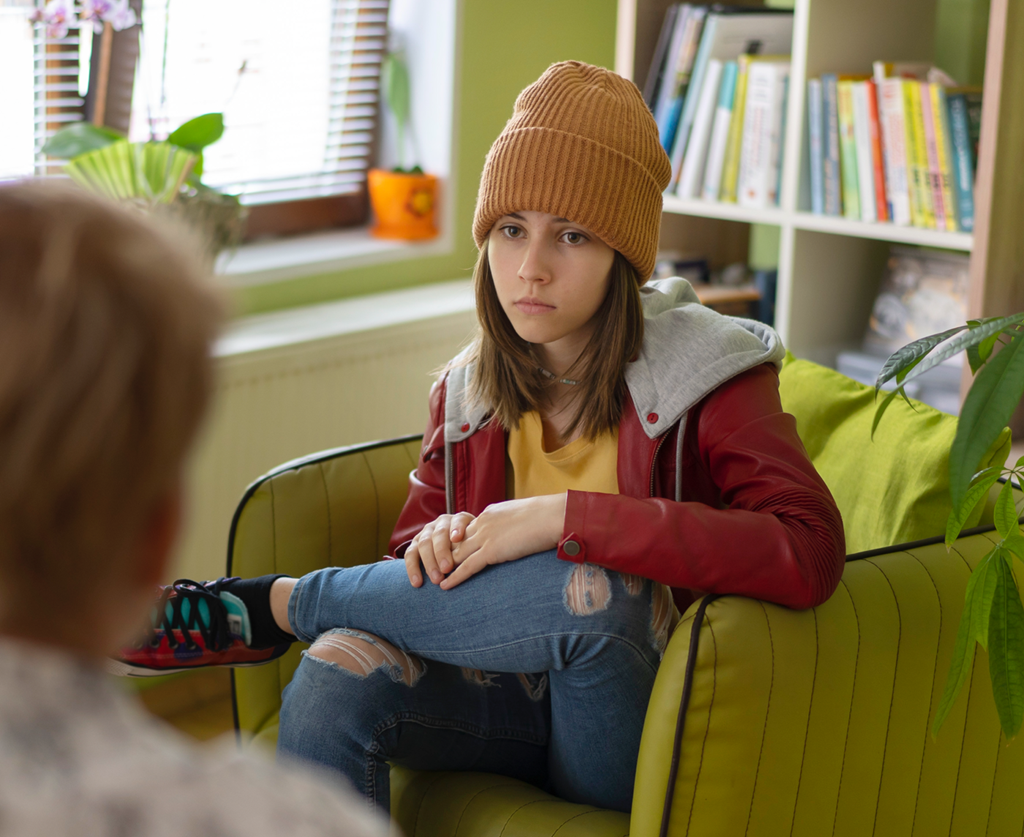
[{"x": 892, "y": 489}]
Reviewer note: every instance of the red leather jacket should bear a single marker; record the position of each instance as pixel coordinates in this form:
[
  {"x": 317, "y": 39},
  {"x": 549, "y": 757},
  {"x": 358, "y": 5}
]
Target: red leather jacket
[{"x": 752, "y": 515}]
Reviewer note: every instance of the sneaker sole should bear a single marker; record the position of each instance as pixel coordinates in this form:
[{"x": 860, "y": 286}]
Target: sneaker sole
[{"x": 119, "y": 668}]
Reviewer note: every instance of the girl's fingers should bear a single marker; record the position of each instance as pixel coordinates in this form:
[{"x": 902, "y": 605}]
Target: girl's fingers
[
  {"x": 412, "y": 565},
  {"x": 466, "y": 547},
  {"x": 429, "y": 558},
  {"x": 441, "y": 549},
  {"x": 413, "y": 568},
  {"x": 459, "y": 524},
  {"x": 467, "y": 569}
]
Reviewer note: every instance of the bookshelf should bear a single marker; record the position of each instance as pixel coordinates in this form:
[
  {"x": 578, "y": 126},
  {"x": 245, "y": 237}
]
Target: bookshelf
[{"x": 829, "y": 267}]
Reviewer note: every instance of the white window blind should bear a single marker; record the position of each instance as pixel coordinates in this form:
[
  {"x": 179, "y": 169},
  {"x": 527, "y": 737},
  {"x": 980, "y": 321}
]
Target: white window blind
[
  {"x": 17, "y": 105},
  {"x": 297, "y": 83}
]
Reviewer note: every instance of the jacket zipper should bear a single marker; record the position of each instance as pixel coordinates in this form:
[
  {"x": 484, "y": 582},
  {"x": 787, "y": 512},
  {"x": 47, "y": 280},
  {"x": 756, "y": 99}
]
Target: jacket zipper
[
  {"x": 654, "y": 459},
  {"x": 449, "y": 485}
]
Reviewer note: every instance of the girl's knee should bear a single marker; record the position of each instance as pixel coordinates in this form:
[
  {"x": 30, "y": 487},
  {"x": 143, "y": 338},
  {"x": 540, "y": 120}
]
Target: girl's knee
[
  {"x": 361, "y": 654},
  {"x": 635, "y": 605}
]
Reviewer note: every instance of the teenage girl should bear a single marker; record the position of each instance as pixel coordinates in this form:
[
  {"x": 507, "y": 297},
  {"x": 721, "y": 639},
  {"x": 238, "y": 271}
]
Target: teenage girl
[{"x": 614, "y": 446}]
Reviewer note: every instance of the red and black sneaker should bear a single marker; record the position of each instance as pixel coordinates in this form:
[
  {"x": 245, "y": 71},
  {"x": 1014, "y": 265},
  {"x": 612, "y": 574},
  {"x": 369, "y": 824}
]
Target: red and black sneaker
[{"x": 195, "y": 624}]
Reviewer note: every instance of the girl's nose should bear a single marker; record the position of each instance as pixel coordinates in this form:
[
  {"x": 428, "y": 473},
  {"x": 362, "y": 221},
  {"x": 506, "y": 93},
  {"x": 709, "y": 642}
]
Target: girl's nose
[{"x": 535, "y": 266}]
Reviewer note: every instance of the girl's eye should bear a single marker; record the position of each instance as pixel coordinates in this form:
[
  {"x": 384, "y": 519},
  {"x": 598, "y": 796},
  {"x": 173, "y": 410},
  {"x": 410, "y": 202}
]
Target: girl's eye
[
  {"x": 512, "y": 231},
  {"x": 572, "y": 237}
]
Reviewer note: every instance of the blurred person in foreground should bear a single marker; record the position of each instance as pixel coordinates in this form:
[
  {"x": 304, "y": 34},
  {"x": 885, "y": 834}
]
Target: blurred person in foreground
[{"x": 106, "y": 327}]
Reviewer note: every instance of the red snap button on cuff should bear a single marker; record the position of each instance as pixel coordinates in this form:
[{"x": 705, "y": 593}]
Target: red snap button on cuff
[
  {"x": 652, "y": 418},
  {"x": 571, "y": 548},
  {"x": 465, "y": 428}
]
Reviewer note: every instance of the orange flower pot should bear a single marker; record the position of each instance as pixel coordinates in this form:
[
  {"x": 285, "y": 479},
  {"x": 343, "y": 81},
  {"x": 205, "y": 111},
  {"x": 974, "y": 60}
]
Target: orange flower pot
[{"x": 403, "y": 204}]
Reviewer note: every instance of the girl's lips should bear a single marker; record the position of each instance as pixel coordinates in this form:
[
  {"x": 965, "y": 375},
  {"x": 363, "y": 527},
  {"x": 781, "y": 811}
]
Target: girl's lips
[{"x": 533, "y": 306}]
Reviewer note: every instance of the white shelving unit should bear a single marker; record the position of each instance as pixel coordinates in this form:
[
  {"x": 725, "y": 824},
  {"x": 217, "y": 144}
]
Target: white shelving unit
[{"x": 829, "y": 267}]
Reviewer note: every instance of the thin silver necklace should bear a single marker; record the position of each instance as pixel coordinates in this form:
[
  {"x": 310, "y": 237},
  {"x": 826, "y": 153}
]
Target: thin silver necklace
[{"x": 552, "y": 377}]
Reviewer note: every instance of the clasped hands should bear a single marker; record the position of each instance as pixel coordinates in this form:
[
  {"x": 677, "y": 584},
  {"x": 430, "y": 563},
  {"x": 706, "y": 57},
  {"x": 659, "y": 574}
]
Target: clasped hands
[{"x": 457, "y": 546}]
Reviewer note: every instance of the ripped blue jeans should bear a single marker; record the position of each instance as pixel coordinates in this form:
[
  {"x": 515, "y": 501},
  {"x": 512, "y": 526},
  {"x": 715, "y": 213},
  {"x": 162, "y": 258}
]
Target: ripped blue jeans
[{"x": 432, "y": 679}]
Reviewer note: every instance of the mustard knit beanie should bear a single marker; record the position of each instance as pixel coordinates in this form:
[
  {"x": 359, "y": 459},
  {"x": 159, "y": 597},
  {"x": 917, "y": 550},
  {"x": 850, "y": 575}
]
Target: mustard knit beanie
[{"x": 581, "y": 144}]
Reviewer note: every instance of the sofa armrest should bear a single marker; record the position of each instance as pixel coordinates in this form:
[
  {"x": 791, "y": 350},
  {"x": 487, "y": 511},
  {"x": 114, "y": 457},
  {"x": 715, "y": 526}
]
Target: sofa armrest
[
  {"x": 333, "y": 508},
  {"x": 799, "y": 720}
]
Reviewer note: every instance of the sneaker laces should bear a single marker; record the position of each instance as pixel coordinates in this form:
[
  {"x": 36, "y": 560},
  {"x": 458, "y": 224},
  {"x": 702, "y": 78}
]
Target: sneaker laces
[{"x": 214, "y": 632}]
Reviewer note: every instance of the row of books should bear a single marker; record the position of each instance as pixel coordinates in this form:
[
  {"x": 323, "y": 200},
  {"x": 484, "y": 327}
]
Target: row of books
[
  {"x": 899, "y": 146},
  {"x": 717, "y": 87}
]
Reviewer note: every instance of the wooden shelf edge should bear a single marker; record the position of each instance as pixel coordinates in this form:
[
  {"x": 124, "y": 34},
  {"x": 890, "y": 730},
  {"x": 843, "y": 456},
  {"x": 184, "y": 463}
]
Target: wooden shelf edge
[
  {"x": 883, "y": 231},
  {"x": 724, "y": 211},
  {"x": 821, "y": 223}
]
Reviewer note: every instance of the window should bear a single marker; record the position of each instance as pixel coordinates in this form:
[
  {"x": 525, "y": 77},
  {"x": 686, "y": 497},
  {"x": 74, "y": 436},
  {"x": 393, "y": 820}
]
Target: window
[{"x": 298, "y": 86}]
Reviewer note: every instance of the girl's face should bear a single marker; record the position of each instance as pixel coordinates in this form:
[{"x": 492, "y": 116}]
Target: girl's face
[{"x": 551, "y": 276}]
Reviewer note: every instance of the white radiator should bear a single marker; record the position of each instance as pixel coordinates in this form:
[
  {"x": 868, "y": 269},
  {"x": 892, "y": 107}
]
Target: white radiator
[{"x": 293, "y": 383}]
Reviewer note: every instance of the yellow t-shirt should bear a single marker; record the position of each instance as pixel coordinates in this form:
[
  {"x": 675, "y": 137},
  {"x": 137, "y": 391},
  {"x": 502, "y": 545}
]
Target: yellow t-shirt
[{"x": 582, "y": 465}]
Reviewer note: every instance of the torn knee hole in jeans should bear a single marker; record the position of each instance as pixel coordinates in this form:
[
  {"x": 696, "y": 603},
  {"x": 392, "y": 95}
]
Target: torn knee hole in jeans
[
  {"x": 478, "y": 676},
  {"x": 664, "y": 616},
  {"x": 362, "y": 654},
  {"x": 536, "y": 685},
  {"x": 587, "y": 590}
]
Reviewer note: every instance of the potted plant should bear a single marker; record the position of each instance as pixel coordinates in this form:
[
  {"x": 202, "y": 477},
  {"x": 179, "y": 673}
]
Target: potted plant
[
  {"x": 993, "y": 615},
  {"x": 159, "y": 177},
  {"x": 403, "y": 199}
]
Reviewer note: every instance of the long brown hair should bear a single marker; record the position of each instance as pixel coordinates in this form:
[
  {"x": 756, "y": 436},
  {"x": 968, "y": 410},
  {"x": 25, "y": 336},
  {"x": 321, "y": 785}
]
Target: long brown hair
[{"x": 507, "y": 377}]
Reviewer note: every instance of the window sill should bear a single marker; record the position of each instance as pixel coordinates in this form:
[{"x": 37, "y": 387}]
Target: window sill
[
  {"x": 346, "y": 316},
  {"x": 265, "y": 262}
]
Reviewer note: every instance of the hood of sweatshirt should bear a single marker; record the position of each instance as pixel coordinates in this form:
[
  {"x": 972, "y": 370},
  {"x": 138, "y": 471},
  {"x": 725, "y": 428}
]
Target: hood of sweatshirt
[{"x": 688, "y": 351}]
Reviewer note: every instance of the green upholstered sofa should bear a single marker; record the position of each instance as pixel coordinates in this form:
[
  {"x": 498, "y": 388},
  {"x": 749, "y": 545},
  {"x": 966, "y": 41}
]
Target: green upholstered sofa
[{"x": 763, "y": 721}]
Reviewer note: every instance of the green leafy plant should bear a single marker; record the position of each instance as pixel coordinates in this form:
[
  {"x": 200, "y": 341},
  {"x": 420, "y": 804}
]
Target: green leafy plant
[
  {"x": 160, "y": 176},
  {"x": 993, "y": 615},
  {"x": 394, "y": 75}
]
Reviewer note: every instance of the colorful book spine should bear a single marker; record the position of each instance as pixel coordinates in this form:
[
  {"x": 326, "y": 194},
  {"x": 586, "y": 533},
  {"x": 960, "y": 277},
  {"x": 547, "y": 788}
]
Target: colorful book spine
[
  {"x": 667, "y": 89},
  {"x": 814, "y": 143},
  {"x": 931, "y": 149},
  {"x": 917, "y": 157},
  {"x": 674, "y": 85},
  {"x": 693, "y": 90},
  {"x": 848, "y": 151},
  {"x": 720, "y": 133},
  {"x": 894, "y": 147},
  {"x": 940, "y": 117},
  {"x": 832, "y": 179},
  {"x": 656, "y": 74},
  {"x": 960, "y": 139},
  {"x": 862, "y": 141},
  {"x": 758, "y": 167},
  {"x": 692, "y": 174},
  {"x": 733, "y": 146},
  {"x": 778, "y": 138},
  {"x": 882, "y": 210}
]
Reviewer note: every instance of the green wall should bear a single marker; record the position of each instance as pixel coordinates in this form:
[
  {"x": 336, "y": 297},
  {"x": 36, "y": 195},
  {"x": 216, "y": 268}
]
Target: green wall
[{"x": 505, "y": 46}]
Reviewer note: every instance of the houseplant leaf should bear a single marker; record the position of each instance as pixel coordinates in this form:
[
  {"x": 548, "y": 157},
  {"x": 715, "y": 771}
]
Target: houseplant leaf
[
  {"x": 198, "y": 133},
  {"x": 80, "y": 138},
  {"x": 1006, "y": 648},
  {"x": 993, "y": 396},
  {"x": 963, "y": 647},
  {"x": 397, "y": 94},
  {"x": 980, "y": 486},
  {"x": 1005, "y": 513},
  {"x": 904, "y": 359},
  {"x": 957, "y": 344},
  {"x": 978, "y": 355}
]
